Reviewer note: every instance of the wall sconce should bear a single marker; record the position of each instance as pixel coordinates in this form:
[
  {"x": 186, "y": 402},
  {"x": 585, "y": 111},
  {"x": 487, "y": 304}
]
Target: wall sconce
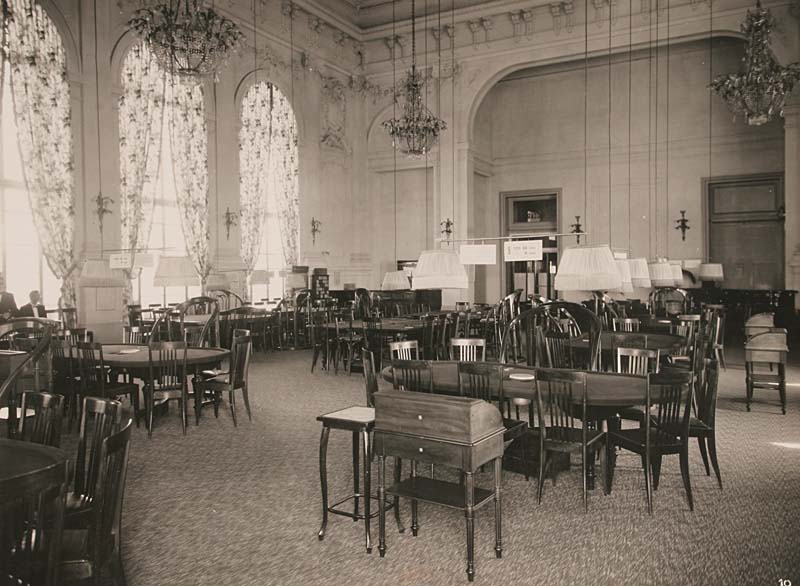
[
  {"x": 316, "y": 226},
  {"x": 447, "y": 227},
  {"x": 683, "y": 225},
  {"x": 231, "y": 219},
  {"x": 577, "y": 229}
]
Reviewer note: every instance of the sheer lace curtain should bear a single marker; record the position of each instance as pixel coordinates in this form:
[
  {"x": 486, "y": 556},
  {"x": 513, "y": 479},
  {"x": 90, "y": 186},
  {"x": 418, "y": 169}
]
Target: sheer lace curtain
[
  {"x": 42, "y": 109},
  {"x": 141, "y": 111},
  {"x": 283, "y": 175}
]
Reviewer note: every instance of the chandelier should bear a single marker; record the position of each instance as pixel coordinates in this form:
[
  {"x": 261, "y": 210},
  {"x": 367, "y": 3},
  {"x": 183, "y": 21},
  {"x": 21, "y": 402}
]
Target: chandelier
[
  {"x": 417, "y": 130},
  {"x": 758, "y": 93},
  {"x": 186, "y": 38}
]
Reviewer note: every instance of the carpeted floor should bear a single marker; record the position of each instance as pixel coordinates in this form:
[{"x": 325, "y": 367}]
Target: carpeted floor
[{"x": 240, "y": 506}]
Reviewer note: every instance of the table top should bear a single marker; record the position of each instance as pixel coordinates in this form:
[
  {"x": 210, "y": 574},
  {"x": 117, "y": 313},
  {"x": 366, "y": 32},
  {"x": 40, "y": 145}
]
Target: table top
[
  {"x": 609, "y": 341},
  {"x": 603, "y": 389},
  {"x": 133, "y": 356},
  {"x": 390, "y": 325},
  {"x": 18, "y": 458}
]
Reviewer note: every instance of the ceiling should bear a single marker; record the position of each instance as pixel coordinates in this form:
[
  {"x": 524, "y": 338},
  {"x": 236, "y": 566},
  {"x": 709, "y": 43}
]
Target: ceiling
[{"x": 367, "y": 14}]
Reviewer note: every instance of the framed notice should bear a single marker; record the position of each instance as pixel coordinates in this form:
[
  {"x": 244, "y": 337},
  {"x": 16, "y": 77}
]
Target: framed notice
[
  {"x": 522, "y": 250},
  {"x": 478, "y": 254},
  {"x": 121, "y": 260}
]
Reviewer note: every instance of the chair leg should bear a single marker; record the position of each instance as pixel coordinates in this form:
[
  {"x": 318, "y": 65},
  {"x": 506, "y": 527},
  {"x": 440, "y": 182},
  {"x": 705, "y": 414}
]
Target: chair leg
[
  {"x": 184, "y": 409},
  {"x": 655, "y": 464},
  {"x": 685, "y": 474},
  {"x": 647, "y": 483},
  {"x": 135, "y": 403},
  {"x": 150, "y": 408},
  {"x": 712, "y": 452},
  {"x": 540, "y": 483},
  {"x": 782, "y": 386},
  {"x": 246, "y": 398},
  {"x": 609, "y": 466},
  {"x": 232, "y": 401},
  {"x": 584, "y": 475},
  {"x": 701, "y": 441},
  {"x": 398, "y": 468},
  {"x": 524, "y": 450},
  {"x": 315, "y": 357}
]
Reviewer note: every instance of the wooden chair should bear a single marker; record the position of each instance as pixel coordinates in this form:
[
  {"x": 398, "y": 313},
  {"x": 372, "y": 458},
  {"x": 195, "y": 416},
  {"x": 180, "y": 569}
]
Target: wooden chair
[
  {"x": 641, "y": 361},
  {"x": 94, "y": 378},
  {"x": 703, "y": 427},
  {"x": 89, "y": 554},
  {"x": 559, "y": 393},
  {"x": 404, "y": 350},
  {"x": 480, "y": 380},
  {"x": 468, "y": 349},
  {"x": 347, "y": 340},
  {"x": 412, "y": 375},
  {"x": 106, "y": 415},
  {"x": 33, "y": 505},
  {"x": 321, "y": 343},
  {"x": 768, "y": 349},
  {"x": 232, "y": 381},
  {"x": 41, "y": 424},
  {"x": 668, "y": 400},
  {"x": 372, "y": 332},
  {"x": 626, "y": 324},
  {"x": 167, "y": 379},
  {"x": 65, "y": 377},
  {"x": 370, "y": 375},
  {"x": 558, "y": 347},
  {"x": 718, "y": 339},
  {"x": 134, "y": 335}
]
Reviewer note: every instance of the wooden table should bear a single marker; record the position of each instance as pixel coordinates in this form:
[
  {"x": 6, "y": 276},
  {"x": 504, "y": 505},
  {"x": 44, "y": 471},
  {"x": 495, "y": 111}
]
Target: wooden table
[
  {"x": 392, "y": 327},
  {"x": 18, "y": 458},
  {"x": 135, "y": 359}
]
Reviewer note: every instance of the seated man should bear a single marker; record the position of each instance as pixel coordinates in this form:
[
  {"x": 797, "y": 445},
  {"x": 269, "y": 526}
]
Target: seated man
[
  {"x": 34, "y": 308},
  {"x": 8, "y": 306}
]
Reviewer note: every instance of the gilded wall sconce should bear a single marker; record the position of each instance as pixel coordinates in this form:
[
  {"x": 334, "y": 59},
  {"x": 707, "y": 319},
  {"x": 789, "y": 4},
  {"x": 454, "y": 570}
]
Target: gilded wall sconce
[
  {"x": 447, "y": 227},
  {"x": 683, "y": 225},
  {"x": 316, "y": 228},
  {"x": 577, "y": 229},
  {"x": 231, "y": 219}
]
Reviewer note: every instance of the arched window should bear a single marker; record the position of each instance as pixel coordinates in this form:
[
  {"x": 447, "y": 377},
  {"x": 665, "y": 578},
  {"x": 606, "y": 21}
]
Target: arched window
[
  {"x": 151, "y": 221},
  {"x": 268, "y": 186}
]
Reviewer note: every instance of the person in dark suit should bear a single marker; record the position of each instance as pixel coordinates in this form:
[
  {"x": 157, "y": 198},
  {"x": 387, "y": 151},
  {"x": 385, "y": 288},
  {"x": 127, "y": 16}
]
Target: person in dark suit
[
  {"x": 34, "y": 308},
  {"x": 8, "y": 306}
]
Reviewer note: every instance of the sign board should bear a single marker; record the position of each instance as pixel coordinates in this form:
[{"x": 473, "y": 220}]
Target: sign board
[
  {"x": 120, "y": 260},
  {"x": 520, "y": 250},
  {"x": 478, "y": 254}
]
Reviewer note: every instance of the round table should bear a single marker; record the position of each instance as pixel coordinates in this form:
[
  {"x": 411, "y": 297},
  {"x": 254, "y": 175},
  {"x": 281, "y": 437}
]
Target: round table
[
  {"x": 135, "y": 359},
  {"x": 18, "y": 458},
  {"x": 392, "y": 327}
]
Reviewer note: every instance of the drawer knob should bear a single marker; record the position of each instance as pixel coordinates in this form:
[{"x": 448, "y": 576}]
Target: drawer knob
[
  {"x": 420, "y": 450},
  {"x": 419, "y": 417}
]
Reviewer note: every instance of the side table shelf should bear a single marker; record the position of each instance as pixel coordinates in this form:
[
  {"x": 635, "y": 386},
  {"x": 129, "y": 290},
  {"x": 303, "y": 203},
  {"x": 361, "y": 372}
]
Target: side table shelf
[{"x": 438, "y": 492}]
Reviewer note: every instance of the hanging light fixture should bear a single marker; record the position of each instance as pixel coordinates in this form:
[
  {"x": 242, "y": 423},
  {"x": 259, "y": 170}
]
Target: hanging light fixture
[
  {"x": 439, "y": 269},
  {"x": 760, "y": 91},
  {"x": 640, "y": 273},
  {"x": 187, "y": 39},
  {"x": 417, "y": 130},
  {"x": 661, "y": 274}
]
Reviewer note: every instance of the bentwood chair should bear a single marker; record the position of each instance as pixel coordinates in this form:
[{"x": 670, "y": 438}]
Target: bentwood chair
[
  {"x": 65, "y": 377},
  {"x": 43, "y": 414},
  {"x": 98, "y": 549},
  {"x": 347, "y": 340},
  {"x": 703, "y": 427},
  {"x": 412, "y": 375},
  {"x": 94, "y": 378},
  {"x": 558, "y": 346},
  {"x": 167, "y": 380},
  {"x": 561, "y": 405},
  {"x": 32, "y": 520},
  {"x": 404, "y": 350},
  {"x": 235, "y": 379},
  {"x": 468, "y": 349},
  {"x": 626, "y": 324},
  {"x": 668, "y": 400}
]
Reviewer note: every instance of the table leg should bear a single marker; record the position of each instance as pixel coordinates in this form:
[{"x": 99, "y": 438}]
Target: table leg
[
  {"x": 469, "y": 512},
  {"x": 591, "y": 425},
  {"x": 612, "y": 425},
  {"x": 323, "y": 478},
  {"x": 414, "y": 523},
  {"x": 498, "y": 511},
  {"x": 382, "y": 505},
  {"x": 356, "y": 450},
  {"x": 367, "y": 487},
  {"x": 398, "y": 468}
]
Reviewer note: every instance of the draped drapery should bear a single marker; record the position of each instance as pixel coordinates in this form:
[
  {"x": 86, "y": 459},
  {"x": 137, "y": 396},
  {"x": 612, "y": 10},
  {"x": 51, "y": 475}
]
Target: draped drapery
[
  {"x": 41, "y": 96},
  {"x": 141, "y": 109},
  {"x": 189, "y": 140}
]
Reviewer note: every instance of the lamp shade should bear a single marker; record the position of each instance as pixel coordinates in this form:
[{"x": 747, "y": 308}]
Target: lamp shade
[
  {"x": 175, "y": 271},
  {"x": 587, "y": 268},
  {"x": 711, "y": 272},
  {"x": 439, "y": 269},
  {"x": 624, "y": 268},
  {"x": 296, "y": 280},
  {"x": 217, "y": 281},
  {"x": 395, "y": 280},
  {"x": 640, "y": 274},
  {"x": 661, "y": 274},
  {"x": 259, "y": 277},
  {"x": 98, "y": 273},
  {"x": 677, "y": 272}
]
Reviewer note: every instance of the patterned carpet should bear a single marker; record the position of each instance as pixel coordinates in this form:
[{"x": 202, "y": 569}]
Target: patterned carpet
[{"x": 240, "y": 506}]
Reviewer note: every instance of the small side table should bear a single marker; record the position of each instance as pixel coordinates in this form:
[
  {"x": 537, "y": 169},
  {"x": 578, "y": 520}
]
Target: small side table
[{"x": 359, "y": 421}]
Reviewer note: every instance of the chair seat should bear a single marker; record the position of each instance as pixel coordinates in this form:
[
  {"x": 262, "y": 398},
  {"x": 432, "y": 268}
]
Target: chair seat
[
  {"x": 634, "y": 440},
  {"x": 632, "y": 414},
  {"x": 77, "y": 511},
  {"x": 113, "y": 389},
  {"x": 569, "y": 438},
  {"x": 514, "y": 428},
  {"x": 354, "y": 417},
  {"x": 213, "y": 372},
  {"x": 4, "y": 413},
  {"x": 697, "y": 426}
]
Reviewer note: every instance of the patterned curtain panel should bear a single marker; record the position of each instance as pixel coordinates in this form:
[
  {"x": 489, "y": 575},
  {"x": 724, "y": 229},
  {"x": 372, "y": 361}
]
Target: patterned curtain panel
[
  {"x": 42, "y": 107},
  {"x": 283, "y": 174},
  {"x": 189, "y": 141},
  {"x": 141, "y": 110}
]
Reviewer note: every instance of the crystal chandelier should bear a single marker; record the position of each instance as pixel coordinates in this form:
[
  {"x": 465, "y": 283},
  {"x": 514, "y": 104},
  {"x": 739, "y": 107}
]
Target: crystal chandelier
[
  {"x": 186, "y": 38},
  {"x": 758, "y": 93},
  {"x": 417, "y": 130}
]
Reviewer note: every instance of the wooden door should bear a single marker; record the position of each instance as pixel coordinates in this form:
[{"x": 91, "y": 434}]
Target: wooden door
[{"x": 745, "y": 231}]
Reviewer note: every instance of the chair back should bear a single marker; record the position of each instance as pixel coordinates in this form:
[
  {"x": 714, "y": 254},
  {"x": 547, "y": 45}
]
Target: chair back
[
  {"x": 63, "y": 372},
  {"x": 32, "y": 505},
  {"x": 133, "y": 335},
  {"x": 92, "y": 367},
  {"x": 429, "y": 331},
  {"x": 640, "y": 361},
  {"x": 68, "y": 316},
  {"x": 105, "y": 415},
  {"x": 707, "y": 398},
  {"x": 167, "y": 365},
  {"x": 481, "y": 380},
  {"x": 627, "y": 324},
  {"x": 558, "y": 348},
  {"x": 9, "y": 386},
  {"x": 412, "y": 375},
  {"x": 373, "y": 332},
  {"x": 107, "y": 509},
  {"x": 668, "y": 402},
  {"x": 468, "y": 349},
  {"x": 370, "y": 376},
  {"x": 73, "y": 336},
  {"x": 560, "y": 401},
  {"x": 44, "y": 426},
  {"x": 240, "y": 360},
  {"x": 405, "y": 350}
]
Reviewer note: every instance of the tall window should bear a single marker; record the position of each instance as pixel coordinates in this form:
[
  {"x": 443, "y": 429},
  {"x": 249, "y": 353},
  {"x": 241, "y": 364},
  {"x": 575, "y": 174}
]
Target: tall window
[
  {"x": 269, "y": 202},
  {"x": 22, "y": 261}
]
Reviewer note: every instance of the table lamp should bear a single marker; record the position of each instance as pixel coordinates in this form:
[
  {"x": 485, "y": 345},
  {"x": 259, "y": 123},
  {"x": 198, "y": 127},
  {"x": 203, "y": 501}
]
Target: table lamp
[
  {"x": 439, "y": 269},
  {"x": 395, "y": 281},
  {"x": 98, "y": 273}
]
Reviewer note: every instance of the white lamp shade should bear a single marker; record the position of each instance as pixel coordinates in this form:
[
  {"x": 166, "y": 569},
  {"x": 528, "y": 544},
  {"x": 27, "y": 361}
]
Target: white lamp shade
[
  {"x": 259, "y": 277},
  {"x": 98, "y": 273},
  {"x": 623, "y": 266},
  {"x": 661, "y": 274},
  {"x": 175, "y": 271},
  {"x": 394, "y": 281},
  {"x": 640, "y": 274},
  {"x": 587, "y": 268},
  {"x": 711, "y": 272},
  {"x": 439, "y": 269},
  {"x": 296, "y": 280},
  {"x": 677, "y": 272},
  {"x": 216, "y": 281}
]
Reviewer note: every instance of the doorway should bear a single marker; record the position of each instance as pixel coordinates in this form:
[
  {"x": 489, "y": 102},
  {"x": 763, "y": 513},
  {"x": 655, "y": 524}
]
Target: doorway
[{"x": 745, "y": 230}]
